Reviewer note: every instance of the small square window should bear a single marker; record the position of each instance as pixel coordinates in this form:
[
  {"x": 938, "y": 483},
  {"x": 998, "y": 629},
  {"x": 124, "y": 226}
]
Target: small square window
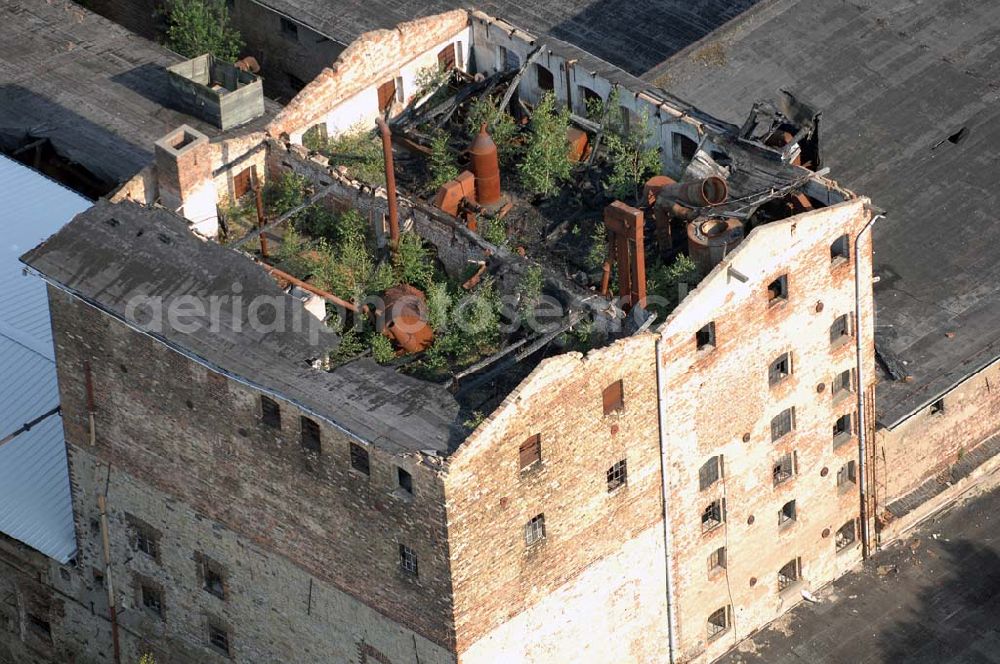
[
  {"x": 617, "y": 475},
  {"x": 213, "y": 579},
  {"x": 408, "y": 560},
  {"x": 777, "y": 290},
  {"x": 937, "y": 408},
  {"x": 530, "y": 452},
  {"x": 614, "y": 397},
  {"x": 784, "y": 469},
  {"x": 359, "y": 459},
  {"x": 684, "y": 147},
  {"x": 705, "y": 337},
  {"x": 405, "y": 480},
  {"x": 270, "y": 412},
  {"x": 289, "y": 28},
  {"x": 718, "y": 622},
  {"x": 717, "y": 560},
  {"x": 39, "y": 627},
  {"x": 840, "y": 249},
  {"x": 713, "y": 515},
  {"x": 310, "y": 435},
  {"x": 788, "y": 513},
  {"x": 847, "y": 475},
  {"x": 789, "y": 574},
  {"x": 846, "y": 535},
  {"x": 840, "y": 330},
  {"x": 152, "y": 599},
  {"x": 218, "y": 637},
  {"x": 782, "y": 424},
  {"x": 843, "y": 383},
  {"x": 780, "y": 369},
  {"x": 842, "y": 429},
  {"x": 544, "y": 77},
  {"x": 534, "y": 530},
  {"x": 709, "y": 473},
  {"x": 144, "y": 538}
]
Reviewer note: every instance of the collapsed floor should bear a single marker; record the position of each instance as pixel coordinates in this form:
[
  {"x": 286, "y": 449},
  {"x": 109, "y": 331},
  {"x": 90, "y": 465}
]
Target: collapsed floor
[{"x": 553, "y": 227}]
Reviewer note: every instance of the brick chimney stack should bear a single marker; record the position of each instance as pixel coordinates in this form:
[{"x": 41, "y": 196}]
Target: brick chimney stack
[{"x": 184, "y": 178}]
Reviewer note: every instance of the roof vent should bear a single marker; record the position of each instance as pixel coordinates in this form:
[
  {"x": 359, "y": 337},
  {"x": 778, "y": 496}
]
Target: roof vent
[{"x": 216, "y": 91}]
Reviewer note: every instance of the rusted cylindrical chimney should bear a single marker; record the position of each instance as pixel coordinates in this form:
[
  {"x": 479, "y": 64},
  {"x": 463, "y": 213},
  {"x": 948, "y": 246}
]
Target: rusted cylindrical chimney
[{"x": 486, "y": 167}]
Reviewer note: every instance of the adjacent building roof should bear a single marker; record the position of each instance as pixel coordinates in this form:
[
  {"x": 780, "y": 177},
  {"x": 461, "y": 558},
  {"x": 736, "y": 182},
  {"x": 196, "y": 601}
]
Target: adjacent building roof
[
  {"x": 114, "y": 255},
  {"x": 98, "y": 92},
  {"x": 911, "y": 118},
  {"x": 631, "y": 34},
  {"x": 35, "y": 506}
]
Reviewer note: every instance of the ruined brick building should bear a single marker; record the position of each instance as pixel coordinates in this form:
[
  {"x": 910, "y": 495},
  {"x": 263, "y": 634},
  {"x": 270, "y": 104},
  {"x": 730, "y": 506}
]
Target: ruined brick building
[{"x": 653, "y": 496}]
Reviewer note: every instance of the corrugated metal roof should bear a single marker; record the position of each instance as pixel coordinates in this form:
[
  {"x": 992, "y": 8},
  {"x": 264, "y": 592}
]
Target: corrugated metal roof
[{"x": 35, "y": 506}]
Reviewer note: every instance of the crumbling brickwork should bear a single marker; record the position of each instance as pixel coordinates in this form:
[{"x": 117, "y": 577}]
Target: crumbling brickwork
[{"x": 374, "y": 58}]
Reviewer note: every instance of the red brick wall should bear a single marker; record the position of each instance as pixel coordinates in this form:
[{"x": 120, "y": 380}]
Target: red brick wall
[
  {"x": 366, "y": 62},
  {"x": 495, "y": 576}
]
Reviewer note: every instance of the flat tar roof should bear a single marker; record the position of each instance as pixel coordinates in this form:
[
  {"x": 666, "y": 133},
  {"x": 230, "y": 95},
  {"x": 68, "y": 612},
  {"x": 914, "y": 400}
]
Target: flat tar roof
[
  {"x": 632, "y": 34},
  {"x": 98, "y": 92},
  {"x": 909, "y": 93}
]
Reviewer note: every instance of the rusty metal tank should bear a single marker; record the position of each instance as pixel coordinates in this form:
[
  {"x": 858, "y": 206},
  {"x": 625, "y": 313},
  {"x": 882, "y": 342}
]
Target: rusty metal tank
[
  {"x": 486, "y": 167},
  {"x": 406, "y": 318},
  {"x": 712, "y": 239}
]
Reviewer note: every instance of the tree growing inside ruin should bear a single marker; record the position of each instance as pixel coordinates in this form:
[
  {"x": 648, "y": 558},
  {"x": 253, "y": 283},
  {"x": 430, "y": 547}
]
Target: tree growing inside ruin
[{"x": 196, "y": 27}]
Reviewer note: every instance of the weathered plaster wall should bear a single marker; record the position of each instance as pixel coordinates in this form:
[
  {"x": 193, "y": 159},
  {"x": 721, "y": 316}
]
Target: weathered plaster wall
[
  {"x": 198, "y": 437},
  {"x": 717, "y": 401}
]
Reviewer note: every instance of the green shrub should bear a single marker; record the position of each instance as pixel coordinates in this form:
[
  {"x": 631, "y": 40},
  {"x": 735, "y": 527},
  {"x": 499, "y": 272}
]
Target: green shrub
[
  {"x": 412, "y": 262},
  {"x": 598, "y": 252},
  {"x": 664, "y": 280},
  {"x": 529, "y": 291},
  {"x": 633, "y": 160},
  {"x": 431, "y": 78},
  {"x": 382, "y": 350},
  {"x": 360, "y": 152},
  {"x": 284, "y": 193},
  {"x": 441, "y": 161},
  {"x": 494, "y": 230},
  {"x": 351, "y": 345},
  {"x": 545, "y": 164},
  {"x": 475, "y": 419},
  {"x": 196, "y": 27},
  {"x": 438, "y": 306}
]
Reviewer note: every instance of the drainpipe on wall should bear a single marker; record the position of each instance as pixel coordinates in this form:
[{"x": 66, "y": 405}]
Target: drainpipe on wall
[
  {"x": 664, "y": 492},
  {"x": 862, "y": 424}
]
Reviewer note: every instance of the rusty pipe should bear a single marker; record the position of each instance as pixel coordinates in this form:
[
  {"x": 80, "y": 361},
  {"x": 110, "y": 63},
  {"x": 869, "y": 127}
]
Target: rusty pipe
[
  {"x": 712, "y": 190},
  {"x": 329, "y": 297},
  {"x": 390, "y": 182}
]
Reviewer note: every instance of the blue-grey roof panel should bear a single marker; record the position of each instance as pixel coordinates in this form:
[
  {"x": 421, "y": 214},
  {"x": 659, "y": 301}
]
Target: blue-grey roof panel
[{"x": 35, "y": 506}]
